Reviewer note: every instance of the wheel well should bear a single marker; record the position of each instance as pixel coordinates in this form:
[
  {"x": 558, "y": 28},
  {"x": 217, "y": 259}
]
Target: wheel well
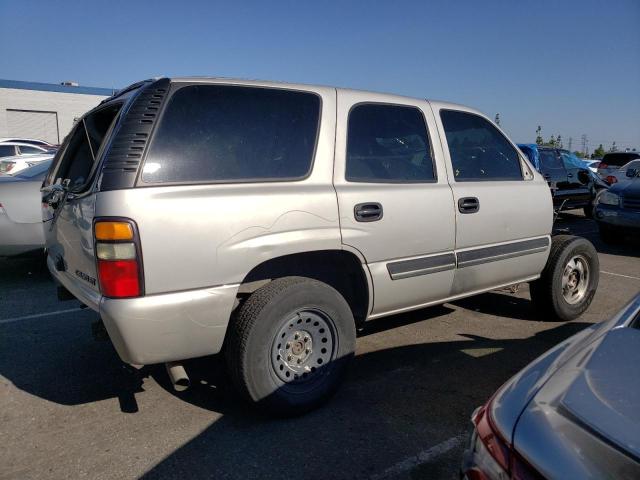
[{"x": 338, "y": 268}]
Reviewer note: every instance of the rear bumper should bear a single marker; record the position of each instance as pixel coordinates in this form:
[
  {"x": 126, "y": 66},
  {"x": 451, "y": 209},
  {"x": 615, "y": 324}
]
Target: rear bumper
[
  {"x": 17, "y": 238},
  {"x": 160, "y": 328},
  {"x": 617, "y": 217},
  {"x": 169, "y": 327}
]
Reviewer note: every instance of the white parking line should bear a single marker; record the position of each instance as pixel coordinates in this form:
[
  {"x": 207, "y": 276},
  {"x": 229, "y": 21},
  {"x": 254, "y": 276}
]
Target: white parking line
[
  {"x": 421, "y": 458},
  {"x": 620, "y": 275},
  {"x": 38, "y": 315}
]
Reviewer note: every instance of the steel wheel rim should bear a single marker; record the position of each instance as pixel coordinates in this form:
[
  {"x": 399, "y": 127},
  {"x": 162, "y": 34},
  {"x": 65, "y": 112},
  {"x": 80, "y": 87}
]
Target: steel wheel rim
[
  {"x": 303, "y": 347},
  {"x": 575, "y": 279}
]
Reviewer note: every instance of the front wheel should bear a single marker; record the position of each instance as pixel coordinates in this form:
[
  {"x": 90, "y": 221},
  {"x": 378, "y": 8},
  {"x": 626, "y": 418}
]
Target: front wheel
[
  {"x": 289, "y": 345},
  {"x": 569, "y": 280}
]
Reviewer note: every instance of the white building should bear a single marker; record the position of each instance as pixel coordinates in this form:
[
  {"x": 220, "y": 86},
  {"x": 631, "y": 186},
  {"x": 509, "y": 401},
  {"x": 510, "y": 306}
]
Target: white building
[{"x": 44, "y": 111}]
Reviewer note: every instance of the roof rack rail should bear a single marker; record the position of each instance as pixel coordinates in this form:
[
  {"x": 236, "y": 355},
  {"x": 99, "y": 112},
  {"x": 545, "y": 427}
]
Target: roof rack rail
[{"x": 133, "y": 86}]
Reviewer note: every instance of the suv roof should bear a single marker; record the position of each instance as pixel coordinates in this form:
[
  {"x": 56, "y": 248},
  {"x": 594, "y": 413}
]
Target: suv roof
[{"x": 294, "y": 86}]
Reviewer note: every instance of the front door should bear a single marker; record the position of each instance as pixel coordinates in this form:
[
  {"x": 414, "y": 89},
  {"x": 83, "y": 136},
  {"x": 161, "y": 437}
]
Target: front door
[
  {"x": 395, "y": 203},
  {"x": 503, "y": 207}
]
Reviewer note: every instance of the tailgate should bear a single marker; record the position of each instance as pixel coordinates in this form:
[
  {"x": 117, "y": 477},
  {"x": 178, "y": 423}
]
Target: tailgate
[{"x": 69, "y": 199}]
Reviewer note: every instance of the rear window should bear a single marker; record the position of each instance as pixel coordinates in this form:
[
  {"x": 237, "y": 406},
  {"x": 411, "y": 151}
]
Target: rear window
[
  {"x": 222, "y": 133},
  {"x": 619, "y": 159}
]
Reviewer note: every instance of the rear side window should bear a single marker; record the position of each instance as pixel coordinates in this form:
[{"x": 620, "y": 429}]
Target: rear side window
[
  {"x": 7, "y": 150},
  {"x": 549, "y": 160},
  {"x": 28, "y": 150},
  {"x": 222, "y": 133},
  {"x": 388, "y": 144},
  {"x": 479, "y": 152}
]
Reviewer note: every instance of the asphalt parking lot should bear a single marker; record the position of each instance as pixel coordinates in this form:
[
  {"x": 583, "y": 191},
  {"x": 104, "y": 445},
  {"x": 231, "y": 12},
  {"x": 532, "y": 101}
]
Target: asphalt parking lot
[{"x": 70, "y": 409}]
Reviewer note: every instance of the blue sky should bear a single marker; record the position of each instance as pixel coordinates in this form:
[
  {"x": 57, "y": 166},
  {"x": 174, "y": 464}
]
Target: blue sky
[{"x": 571, "y": 66}]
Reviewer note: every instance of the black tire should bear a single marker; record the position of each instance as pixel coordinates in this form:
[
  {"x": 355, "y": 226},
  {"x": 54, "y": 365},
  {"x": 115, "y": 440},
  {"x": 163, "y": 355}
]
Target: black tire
[
  {"x": 609, "y": 235},
  {"x": 547, "y": 291},
  {"x": 270, "y": 312}
]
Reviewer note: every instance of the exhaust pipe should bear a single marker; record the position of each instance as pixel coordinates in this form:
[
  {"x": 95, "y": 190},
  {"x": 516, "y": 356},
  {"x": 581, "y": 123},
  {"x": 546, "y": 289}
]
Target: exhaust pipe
[{"x": 178, "y": 376}]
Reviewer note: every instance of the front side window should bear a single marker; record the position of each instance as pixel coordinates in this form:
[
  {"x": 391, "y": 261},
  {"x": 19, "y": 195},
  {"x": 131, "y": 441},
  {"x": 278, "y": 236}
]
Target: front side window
[
  {"x": 223, "y": 133},
  {"x": 479, "y": 152},
  {"x": 388, "y": 144}
]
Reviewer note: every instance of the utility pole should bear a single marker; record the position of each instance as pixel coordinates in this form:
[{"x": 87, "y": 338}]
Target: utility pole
[
  {"x": 585, "y": 142},
  {"x": 570, "y": 142}
]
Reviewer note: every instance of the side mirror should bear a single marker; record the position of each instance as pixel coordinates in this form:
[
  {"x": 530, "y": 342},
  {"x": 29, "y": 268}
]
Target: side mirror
[
  {"x": 583, "y": 176},
  {"x": 632, "y": 172}
]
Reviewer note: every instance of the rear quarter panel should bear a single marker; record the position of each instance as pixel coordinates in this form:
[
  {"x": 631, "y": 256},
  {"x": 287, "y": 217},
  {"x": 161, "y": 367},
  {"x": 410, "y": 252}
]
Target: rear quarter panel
[{"x": 195, "y": 236}]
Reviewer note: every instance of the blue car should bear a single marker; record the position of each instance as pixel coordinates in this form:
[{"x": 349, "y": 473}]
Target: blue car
[
  {"x": 618, "y": 209},
  {"x": 572, "y": 184}
]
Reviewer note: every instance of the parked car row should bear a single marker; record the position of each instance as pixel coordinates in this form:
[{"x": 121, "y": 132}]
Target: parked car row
[{"x": 573, "y": 185}]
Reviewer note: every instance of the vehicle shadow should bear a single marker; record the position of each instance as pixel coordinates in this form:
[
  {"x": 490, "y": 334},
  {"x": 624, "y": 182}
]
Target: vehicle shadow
[{"x": 394, "y": 402}]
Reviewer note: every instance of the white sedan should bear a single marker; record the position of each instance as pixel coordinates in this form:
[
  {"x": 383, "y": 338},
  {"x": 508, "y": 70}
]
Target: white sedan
[{"x": 13, "y": 165}]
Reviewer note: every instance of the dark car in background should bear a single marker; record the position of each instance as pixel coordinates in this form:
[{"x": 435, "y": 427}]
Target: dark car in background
[
  {"x": 572, "y": 413},
  {"x": 618, "y": 209},
  {"x": 573, "y": 185},
  {"x": 613, "y": 161}
]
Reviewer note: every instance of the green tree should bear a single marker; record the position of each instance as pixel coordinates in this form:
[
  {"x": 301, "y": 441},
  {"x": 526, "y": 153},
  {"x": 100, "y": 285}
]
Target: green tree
[
  {"x": 539, "y": 139},
  {"x": 559, "y": 141},
  {"x": 579, "y": 154},
  {"x": 598, "y": 152}
]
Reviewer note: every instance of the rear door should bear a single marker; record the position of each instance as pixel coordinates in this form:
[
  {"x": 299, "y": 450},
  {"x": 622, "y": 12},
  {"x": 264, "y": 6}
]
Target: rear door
[
  {"x": 69, "y": 221},
  {"x": 395, "y": 204},
  {"x": 503, "y": 207}
]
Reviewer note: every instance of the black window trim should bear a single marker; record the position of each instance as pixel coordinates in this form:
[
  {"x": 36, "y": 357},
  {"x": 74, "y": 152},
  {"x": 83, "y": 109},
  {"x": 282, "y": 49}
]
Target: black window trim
[
  {"x": 393, "y": 182},
  {"x": 492, "y": 179},
  {"x": 175, "y": 87},
  {"x": 89, "y": 186}
]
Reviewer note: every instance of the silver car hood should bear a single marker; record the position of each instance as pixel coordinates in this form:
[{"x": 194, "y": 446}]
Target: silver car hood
[
  {"x": 604, "y": 396},
  {"x": 585, "y": 421}
]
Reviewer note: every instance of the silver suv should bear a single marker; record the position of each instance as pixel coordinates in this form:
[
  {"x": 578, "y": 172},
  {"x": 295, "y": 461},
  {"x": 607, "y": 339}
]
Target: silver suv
[{"x": 269, "y": 221}]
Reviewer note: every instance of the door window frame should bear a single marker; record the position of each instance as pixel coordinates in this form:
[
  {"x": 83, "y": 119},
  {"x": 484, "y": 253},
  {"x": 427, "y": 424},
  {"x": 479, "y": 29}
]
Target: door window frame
[
  {"x": 383, "y": 181},
  {"x": 519, "y": 154}
]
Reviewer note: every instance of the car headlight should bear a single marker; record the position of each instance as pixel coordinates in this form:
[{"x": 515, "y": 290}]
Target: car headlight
[{"x": 608, "y": 198}]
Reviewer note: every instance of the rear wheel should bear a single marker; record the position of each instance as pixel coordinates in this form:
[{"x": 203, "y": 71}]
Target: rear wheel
[
  {"x": 289, "y": 345},
  {"x": 569, "y": 280}
]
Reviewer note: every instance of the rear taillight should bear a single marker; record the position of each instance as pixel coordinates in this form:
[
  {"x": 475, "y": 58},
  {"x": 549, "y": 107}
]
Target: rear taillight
[
  {"x": 510, "y": 461},
  {"x": 1, "y": 208},
  {"x": 611, "y": 179},
  {"x": 118, "y": 258}
]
